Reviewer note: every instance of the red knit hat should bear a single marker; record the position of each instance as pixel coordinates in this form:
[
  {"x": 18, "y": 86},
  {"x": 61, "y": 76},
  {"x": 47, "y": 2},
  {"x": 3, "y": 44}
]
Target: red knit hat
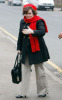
[{"x": 30, "y": 5}]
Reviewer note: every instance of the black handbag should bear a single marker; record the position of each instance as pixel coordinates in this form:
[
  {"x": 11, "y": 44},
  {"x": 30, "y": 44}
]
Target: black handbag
[{"x": 16, "y": 72}]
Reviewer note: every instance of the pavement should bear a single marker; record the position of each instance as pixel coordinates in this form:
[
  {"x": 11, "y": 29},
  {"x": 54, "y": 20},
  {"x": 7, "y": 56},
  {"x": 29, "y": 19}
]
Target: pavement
[
  {"x": 8, "y": 90},
  {"x": 57, "y": 9}
]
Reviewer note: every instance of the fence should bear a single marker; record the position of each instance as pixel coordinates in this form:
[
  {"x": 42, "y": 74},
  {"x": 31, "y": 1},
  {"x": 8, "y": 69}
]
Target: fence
[{"x": 58, "y": 3}]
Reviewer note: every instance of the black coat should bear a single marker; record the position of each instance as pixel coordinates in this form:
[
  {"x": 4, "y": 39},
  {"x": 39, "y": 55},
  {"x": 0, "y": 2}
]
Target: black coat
[{"x": 23, "y": 44}]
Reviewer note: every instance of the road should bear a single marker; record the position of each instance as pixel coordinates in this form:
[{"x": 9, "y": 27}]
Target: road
[{"x": 10, "y": 17}]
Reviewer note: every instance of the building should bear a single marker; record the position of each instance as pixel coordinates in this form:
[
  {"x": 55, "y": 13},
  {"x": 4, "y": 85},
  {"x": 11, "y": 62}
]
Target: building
[{"x": 58, "y": 1}]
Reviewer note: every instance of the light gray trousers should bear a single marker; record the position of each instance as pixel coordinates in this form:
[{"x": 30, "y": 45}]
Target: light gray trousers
[{"x": 41, "y": 81}]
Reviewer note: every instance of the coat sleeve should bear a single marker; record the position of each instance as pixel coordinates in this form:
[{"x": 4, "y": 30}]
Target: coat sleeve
[
  {"x": 40, "y": 31},
  {"x": 20, "y": 39}
]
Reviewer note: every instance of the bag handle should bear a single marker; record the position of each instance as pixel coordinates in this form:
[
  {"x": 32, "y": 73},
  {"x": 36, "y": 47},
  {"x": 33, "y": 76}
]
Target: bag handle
[{"x": 16, "y": 59}]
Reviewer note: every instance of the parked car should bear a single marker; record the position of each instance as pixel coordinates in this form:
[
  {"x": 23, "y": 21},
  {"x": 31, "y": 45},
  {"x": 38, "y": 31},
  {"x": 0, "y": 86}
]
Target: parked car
[
  {"x": 43, "y": 4},
  {"x": 14, "y": 2},
  {"x": 24, "y": 2},
  {"x": 2, "y": 1}
]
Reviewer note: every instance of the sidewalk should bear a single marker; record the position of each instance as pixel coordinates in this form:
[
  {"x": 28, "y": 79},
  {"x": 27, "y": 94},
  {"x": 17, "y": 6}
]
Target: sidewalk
[
  {"x": 57, "y": 9},
  {"x": 8, "y": 90}
]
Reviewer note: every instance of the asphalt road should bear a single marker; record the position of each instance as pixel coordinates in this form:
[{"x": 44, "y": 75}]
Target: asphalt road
[{"x": 10, "y": 17}]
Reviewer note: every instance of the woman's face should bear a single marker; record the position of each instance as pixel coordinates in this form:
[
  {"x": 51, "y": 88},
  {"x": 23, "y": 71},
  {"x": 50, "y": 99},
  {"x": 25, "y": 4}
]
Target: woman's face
[{"x": 29, "y": 14}]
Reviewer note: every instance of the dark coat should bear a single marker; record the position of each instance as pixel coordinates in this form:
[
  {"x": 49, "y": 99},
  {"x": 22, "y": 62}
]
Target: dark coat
[{"x": 23, "y": 44}]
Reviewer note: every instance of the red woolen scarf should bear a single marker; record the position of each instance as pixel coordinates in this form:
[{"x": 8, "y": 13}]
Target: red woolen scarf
[{"x": 33, "y": 39}]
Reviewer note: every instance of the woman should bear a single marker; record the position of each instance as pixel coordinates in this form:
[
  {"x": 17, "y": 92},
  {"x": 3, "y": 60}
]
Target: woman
[{"x": 33, "y": 48}]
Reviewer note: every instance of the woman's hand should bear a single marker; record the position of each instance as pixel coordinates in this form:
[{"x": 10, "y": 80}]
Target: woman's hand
[
  {"x": 19, "y": 51},
  {"x": 60, "y": 35},
  {"x": 28, "y": 31}
]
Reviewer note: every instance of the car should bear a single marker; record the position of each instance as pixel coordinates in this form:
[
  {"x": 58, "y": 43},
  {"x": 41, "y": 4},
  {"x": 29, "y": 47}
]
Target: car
[
  {"x": 24, "y": 2},
  {"x": 14, "y": 2},
  {"x": 43, "y": 4},
  {"x": 2, "y": 1}
]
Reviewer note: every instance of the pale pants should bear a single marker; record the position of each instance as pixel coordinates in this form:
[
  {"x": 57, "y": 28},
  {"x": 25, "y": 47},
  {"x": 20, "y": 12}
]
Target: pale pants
[{"x": 41, "y": 81}]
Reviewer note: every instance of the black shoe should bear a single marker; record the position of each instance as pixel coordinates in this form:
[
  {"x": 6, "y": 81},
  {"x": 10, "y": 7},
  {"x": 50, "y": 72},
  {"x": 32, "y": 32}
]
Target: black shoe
[
  {"x": 31, "y": 70},
  {"x": 42, "y": 95},
  {"x": 19, "y": 96}
]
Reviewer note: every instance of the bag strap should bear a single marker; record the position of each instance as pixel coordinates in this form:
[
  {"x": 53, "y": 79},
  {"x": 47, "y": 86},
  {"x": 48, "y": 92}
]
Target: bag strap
[{"x": 16, "y": 61}]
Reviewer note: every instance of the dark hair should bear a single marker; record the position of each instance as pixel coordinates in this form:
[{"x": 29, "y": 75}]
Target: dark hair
[{"x": 26, "y": 9}]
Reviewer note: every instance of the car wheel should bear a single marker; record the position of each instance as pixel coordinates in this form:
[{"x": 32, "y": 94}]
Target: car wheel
[
  {"x": 12, "y": 4},
  {"x": 52, "y": 9},
  {"x": 3, "y": 1}
]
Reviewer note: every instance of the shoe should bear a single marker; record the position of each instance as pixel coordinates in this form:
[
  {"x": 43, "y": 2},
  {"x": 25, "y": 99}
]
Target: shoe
[
  {"x": 42, "y": 95},
  {"x": 19, "y": 96}
]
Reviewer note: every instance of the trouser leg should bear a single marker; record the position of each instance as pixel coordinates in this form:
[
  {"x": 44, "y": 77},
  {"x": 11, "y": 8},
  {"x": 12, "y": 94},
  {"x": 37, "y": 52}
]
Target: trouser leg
[
  {"x": 40, "y": 79},
  {"x": 25, "y": 78}
]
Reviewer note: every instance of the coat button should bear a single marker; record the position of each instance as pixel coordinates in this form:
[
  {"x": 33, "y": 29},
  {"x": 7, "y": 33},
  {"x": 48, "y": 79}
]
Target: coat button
[{"x": 28, "y": 37}]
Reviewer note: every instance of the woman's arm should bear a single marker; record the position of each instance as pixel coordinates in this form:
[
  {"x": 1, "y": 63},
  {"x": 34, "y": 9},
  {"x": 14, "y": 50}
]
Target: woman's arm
[
  {"x": 20, "y": 39},
  {"x": 40, "y": 31}
]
